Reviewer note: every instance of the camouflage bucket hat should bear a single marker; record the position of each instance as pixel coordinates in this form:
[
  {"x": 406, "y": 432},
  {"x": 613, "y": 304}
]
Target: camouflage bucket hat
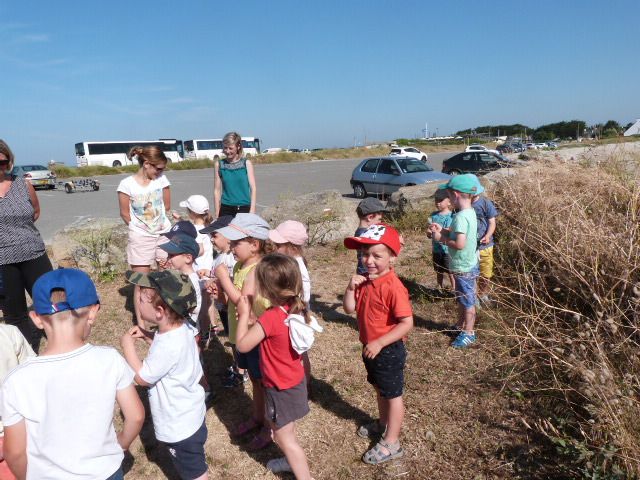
[{"x": 174, "y": 288}]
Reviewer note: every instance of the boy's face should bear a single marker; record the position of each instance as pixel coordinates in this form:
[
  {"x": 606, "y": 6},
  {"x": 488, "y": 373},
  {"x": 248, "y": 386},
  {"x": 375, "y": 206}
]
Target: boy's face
[
  {"x": 147, "y": 309},
  {"x": 178, "y": 261},
  {"x": 221, "y": 242},
  {"x": 443, "y": 203},
  {"x": 377, "y": 259}
]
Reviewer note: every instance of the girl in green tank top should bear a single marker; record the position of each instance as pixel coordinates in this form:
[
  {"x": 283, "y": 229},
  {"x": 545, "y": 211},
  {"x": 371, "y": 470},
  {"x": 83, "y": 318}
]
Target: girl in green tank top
[{"x": 234, "y": 188}]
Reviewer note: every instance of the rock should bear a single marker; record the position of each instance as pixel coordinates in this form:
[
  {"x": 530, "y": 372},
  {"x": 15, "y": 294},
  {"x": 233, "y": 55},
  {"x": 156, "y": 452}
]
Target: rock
[
  {"x": 416, "y": 197},
  {"x": 327, "y": 215},
  {"x": 97, "y": 246}
]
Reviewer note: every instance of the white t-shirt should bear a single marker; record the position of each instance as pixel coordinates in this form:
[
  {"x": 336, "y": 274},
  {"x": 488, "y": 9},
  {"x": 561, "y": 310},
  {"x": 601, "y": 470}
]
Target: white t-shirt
[
  {"x": 195, "y": 281},
  {"x": 204, "y": 261},
  {"x": 176, "y": 397},
  {"x": 306, "y": 280},
  {"x": 146, "y": 205},
  {"x": 230, "y": 261},
  {"x": 14, "y": 349},
  {"x": 67, "y": 403}
]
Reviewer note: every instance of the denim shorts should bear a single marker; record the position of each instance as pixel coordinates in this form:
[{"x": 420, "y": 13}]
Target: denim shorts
[
  {"x": 386, "y": 370},
  {"x": 188, "y": 454},
  {"x": 466, "y": 287},
  {"x": 441, "y": 262},
  {"x": 250, "y": 361}
]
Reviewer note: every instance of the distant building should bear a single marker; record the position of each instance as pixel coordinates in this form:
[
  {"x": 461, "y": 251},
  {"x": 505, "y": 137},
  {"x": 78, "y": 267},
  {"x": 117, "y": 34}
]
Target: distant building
[{"x": 633, "y": 129}]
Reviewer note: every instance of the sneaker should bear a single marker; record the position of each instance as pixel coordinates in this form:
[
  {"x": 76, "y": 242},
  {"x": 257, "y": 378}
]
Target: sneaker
[
  {"x": 277, "y": 465},
  {"x": 464, "y": 340}
]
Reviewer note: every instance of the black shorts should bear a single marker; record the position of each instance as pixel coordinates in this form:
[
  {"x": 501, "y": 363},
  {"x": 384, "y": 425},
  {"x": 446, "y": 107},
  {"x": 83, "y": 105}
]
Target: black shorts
[
  {"x": 441, "y": 262},
  {"x": 188, "y": 454},
  {"x": 286, "y": 406},
  {"x": 386, "y": 370},
  {"x": 250, "y": 361},
  {"x": 233, "y": 210}
]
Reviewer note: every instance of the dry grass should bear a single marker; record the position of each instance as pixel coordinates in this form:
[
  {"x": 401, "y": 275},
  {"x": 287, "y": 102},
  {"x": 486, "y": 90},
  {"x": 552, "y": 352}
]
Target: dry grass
[{"x": 570, "y": 301}]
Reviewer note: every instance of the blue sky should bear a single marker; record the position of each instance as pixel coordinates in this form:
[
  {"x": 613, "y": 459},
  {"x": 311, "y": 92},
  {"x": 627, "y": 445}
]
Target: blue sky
[{"x": 306, "y": 74}]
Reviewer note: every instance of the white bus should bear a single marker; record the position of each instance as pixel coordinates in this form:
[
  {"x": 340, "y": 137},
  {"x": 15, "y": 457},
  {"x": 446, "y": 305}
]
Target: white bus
[
  {"x": 114, "y": 154},
  {"x": 212, "y": 148}
]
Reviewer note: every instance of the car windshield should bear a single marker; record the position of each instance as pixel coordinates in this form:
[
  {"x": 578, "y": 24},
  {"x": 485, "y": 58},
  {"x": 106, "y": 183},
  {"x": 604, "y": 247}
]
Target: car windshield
[
  {"x": 395, "y": 150},
  {"x": 32, "y": 168},
  {"x": 411, "y": 165}
]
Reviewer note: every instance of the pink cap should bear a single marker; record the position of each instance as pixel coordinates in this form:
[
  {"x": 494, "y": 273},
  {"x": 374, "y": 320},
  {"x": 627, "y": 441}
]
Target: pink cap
[{"x": 289, "y": 232}]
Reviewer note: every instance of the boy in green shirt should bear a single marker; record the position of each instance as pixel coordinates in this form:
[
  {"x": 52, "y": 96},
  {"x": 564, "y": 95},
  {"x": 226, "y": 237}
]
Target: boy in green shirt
[{"x": 462, "y": 240}]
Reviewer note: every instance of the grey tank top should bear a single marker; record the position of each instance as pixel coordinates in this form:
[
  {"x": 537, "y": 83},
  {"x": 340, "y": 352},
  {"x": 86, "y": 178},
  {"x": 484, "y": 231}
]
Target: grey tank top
[{"x": 20, "y": 240}]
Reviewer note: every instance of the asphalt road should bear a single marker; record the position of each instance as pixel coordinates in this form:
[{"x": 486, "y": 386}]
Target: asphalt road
[{"x": 274, "y": 181}]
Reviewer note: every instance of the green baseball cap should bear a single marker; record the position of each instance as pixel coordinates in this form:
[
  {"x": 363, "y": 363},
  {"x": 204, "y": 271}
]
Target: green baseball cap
[
  {"x": 174, "y": 288},
  {"x": 467, "y": 183}
]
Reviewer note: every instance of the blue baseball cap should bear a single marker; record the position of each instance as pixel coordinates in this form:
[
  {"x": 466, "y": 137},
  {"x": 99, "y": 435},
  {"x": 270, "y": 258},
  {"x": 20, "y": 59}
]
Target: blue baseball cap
[
  {"x": 217, "y": 224},
  {"x": 184, "y": 227},
  {"x": 78, "y": 287},
  {"x": 181, "y": 243}
]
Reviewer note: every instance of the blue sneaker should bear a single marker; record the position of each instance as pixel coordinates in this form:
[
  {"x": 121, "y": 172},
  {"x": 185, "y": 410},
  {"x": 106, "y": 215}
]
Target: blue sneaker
[{"x": 464, "y": 340}]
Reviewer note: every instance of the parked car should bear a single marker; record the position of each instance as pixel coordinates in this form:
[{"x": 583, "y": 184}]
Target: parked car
[
  {"x": 479, "y": 148},
  {"x": 530, "y": 146},
  {"x": 409, "y": 152},
  {"x": 541, "y": 146},
  {"x": 37, "y": 175},
  {"x": 385, "y": 175},
  {"x": 475, "y": 162},
  {"x": 552, "y": 145},
  {"x": 271, "y": 151},
  {"x": 504, "y": 148},
  {"x": 518, "y": 147}
]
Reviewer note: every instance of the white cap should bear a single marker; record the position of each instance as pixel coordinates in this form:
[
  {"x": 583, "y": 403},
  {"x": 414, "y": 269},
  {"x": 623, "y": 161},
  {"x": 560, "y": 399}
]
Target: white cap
[{"x": 196, "y": 203}]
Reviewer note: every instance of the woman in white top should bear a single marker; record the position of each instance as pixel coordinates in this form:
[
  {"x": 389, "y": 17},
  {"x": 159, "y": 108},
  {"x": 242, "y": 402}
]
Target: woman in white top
[{"x": 144, "y": 200}]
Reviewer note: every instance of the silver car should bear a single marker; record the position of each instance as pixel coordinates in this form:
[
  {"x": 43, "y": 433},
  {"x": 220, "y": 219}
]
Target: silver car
[
  {"x": 37, "y": 175},
  {"x": 385, "y": 175}
]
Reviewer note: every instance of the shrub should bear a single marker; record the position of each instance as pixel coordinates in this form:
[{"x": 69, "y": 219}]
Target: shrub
[{"x": 569, "y": 294}]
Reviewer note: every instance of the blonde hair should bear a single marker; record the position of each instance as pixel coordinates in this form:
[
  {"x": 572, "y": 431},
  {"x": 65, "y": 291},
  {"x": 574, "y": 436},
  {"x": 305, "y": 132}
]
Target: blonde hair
[
  {"x": 234, "y": 138},
  {"x": 292, "y": 250},
  {"x": 4, "y": 149},
  {"x": 152, "y": 154},
  {"x": 206, "y": 217},
  {"x": 278, "y": 279}
]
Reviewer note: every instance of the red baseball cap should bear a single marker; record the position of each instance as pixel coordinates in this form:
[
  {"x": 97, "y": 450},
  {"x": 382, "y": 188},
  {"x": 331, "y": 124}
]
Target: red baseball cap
[{"x": 380, "y": 233}]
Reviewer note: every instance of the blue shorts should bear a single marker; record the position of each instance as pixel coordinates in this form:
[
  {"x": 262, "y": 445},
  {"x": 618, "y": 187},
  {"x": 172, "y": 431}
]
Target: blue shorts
[
  {"x": 386, "y": 370},
  {"x": 250, "y": 361},
  {"x": 466, "y": 287},
  {"x": 188, "y": 454}
]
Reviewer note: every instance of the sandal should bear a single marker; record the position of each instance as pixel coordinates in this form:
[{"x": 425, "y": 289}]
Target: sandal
[
  {"x": 376, "y": 456},
  {"x": 245, "y": 427},
  {"x": 261, "y": 440},
  {"x": 371, "y": 430}
]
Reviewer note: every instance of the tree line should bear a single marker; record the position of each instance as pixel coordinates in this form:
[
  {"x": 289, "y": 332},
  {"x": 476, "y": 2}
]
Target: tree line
[{"x": 559, "y": 130}]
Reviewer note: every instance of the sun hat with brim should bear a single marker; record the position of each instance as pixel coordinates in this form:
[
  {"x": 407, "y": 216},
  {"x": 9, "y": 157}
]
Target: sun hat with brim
[
  {"x": 289, "y": 232},
  {"x": 376, "y": 235},
  {"x": 217, "y": 224},
  {"x": 181, "y": 243},
  {"x": 467, "y": 183},
  {"x": 174, "y": 288},
  {"x": 78, "y": 287},
  {"x": 246, "y": 225}
]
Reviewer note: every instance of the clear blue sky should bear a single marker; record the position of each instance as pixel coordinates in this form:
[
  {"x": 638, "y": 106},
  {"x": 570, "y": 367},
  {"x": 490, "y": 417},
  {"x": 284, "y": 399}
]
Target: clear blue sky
[{"x": 304, "y": 73}]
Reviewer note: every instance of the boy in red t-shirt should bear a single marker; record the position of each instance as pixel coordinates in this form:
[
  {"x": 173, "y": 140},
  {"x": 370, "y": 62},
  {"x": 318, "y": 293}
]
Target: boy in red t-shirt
[{"x": 385, "y": 318}]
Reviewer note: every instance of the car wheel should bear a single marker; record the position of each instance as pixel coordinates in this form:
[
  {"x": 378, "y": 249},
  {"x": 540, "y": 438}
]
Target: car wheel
[
  {"x": 117, "y": 163},
  {"x": 68, "y": 188},
  {"x": 424, "y": 159},
  {"x": 455, "y": 172},
  {"x": 410, "y": 185},
  {"x": 359, "y": 191}
]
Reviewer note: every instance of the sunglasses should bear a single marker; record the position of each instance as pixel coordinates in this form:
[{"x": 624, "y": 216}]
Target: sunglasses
[{"x": 4, "y": 163}]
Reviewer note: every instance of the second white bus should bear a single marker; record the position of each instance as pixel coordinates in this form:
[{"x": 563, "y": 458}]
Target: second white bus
[
  {"x": 114, "y": 154},
  {"x": 212, "y": 148}
]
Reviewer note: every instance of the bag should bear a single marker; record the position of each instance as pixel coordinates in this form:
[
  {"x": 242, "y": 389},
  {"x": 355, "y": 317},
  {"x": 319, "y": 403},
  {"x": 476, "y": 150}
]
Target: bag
[{"x": 301, "y": 333}]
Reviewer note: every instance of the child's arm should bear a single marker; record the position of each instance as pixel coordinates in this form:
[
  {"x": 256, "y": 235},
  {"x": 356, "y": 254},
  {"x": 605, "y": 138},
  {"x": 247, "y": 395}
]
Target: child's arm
[
  {"x": 133, "y": 412},
  {"x": 224, "y": 279},
  {"x": 217, "y": 189},
  {"x": 491, "y": 228},
  {"x": 15, "y": 448},
  {"x": 252, "y": 185},
  {"x": 398, "y": 332},
  {"x": 247, "y": 338},
  {"x": 130, "y": 355},
  {"x": 443, "y": 235},
  {"x": 349, "y": 300}
]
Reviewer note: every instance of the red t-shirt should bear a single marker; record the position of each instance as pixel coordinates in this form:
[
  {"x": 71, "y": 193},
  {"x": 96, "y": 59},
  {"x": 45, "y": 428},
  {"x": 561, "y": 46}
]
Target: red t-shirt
[
  {"x": 379, "y": 305},
  {"x": 279, "y": 363}
]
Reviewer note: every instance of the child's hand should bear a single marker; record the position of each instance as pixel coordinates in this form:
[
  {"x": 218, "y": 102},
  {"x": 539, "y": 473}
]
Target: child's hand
[
  {"x": 211, "y": 286},
  {"x": 203, "y": 273},
  {"x": 175, "y": 215},
  {"x": 435, "y": 227},
  {"x": 221, "y": 271},
  {"x": 243, "y": 307},
  {"x": 162, "y": 263},
  {"x": 429, "y": 232},
  {"x": 356, "y": 280},
  {"x": 372, "y": 349},
  {"x": 484, "y": 240}
]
